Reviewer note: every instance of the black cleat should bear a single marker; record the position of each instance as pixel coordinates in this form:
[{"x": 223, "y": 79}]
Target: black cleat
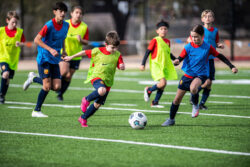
[
  {"x": 59, "y": 97},
  {"x": 202, "y": 107},
  {"x": 2, "y": 99}
]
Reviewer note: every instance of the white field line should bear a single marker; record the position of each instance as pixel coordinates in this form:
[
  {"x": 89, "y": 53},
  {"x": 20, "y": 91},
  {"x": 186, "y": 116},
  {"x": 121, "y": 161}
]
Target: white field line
[
  {"x": 126, "y": 109},
  {"x": 121, "y": 104},
  {"x": 131, "y": 142},
  {"x": 135, "y": 91},
  {"x": 220, "y": 102},
  {"x": 18, "y": 107}
]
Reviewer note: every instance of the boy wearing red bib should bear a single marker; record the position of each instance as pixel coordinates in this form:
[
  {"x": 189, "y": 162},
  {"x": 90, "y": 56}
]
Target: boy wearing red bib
[
  {"x": 104, "y": 61},
  {"x": 161, "y": 66},
  {"x": 11, "y": 38}
]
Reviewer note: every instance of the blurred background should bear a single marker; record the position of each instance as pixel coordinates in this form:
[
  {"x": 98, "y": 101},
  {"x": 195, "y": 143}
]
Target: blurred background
[{"x": 135, "y": 21}]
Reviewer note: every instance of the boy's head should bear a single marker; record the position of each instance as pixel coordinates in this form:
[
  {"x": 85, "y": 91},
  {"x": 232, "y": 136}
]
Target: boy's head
[
  {"x": 197, "y": 34},
  {"x": 207, "y": 16},
  {"x": 59, "y": 10},
  {"x": 162, "y": 28},
  {"x": 77, "y": 13},
  {"x": 11, "y": 19},
  {"x": 112, "y": 41}
]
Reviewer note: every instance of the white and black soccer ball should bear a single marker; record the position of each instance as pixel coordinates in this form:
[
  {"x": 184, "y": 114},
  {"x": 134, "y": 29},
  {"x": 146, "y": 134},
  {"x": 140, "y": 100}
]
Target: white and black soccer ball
[{"x": 137, "y": 120}]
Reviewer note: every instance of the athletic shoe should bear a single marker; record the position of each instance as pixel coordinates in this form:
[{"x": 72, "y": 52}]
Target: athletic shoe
[
  {"x": 156, "y": 105},
  {"x": 195, "y": 111},
  {"x": 29, "y": 81},
  {"x": 84, "y": 104},
  {"x": 83, "y": 122},
  {"x": 168, "y": 122},
  {"x": 146, "y": 94},
  {"x": 2, "y": 99},
  {"x": 59, "y": 97},
  {"x": 202, "y": 107},
  {"x": 38, "y": 114}
]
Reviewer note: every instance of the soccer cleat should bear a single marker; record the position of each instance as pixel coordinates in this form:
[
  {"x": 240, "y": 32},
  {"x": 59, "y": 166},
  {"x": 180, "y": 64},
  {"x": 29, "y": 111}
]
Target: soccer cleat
[
  {"x": 146, "y": 94},
  {"x": 84, "y": 104},
  {"x": 195, "y": 111},
  {"x": 59, "y": 97},
  {"x": 202, "y": 107},
  {"x": 29, "y": 81},
  {"x": 168, "y": 122},
  {"x": 83, "y": 122},
  {"x": 156, "y": 105},
  {"x": 2, "y": 99},
  {"x": 38, "y": 114}
]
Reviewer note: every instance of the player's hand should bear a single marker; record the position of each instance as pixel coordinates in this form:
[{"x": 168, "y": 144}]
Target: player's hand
[
  {"x": 122, "y": 67},
  {"x": 142, "y": 67},
  {"x": 176, "y": 62},
  {"x": 64, "y": 54},
  {"x": 67, "y": 58},
  {"x": 79, "y": 38},
  {"x": 18, "y": 44},
  {"x": 220, "y": 45},
  {"x": 234, "y": 70},
  {"x": 53, "y": 52}
]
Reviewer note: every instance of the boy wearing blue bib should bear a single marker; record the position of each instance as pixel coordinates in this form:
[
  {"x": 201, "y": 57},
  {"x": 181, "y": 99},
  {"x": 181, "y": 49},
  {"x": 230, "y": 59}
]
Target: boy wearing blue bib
[
  {"x": 50, "y": 41},
  {"x": 195, "y": 67},
  {"x": 11, "y": 38}
]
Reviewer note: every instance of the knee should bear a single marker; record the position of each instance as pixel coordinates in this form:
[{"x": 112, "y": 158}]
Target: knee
[
  {"x": 56, "y": 87},
  {"x": 102, "y": 91},
  {"x": 162, "y": 84},
  {"x": 46, "y": 88},
  {"x": 193, "y": 90},
  {"x": 6, "y": 75},
  {"x": 97, "y": 105}
]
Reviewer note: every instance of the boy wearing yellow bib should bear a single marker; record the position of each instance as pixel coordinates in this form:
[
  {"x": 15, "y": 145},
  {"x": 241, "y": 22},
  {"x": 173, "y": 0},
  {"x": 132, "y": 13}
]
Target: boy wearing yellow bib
[
  {"x": 11, "y": 38},
  {"x": 77, "y": 36},
  {"x": 103, "y": 64},
  {"x": 161, "y": 66}
]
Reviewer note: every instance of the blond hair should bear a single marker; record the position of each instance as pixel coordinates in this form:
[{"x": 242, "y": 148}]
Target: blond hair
[
  {"x": 112, "y": 38},
  {"x": 11, "y": 14},
  {"x": 206, "y": 12}
]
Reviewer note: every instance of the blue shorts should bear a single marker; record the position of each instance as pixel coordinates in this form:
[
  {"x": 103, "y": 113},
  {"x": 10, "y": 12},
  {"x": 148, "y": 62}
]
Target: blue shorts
[
  {"x": 211, "y": 69},
  {"x": 5, "y": 67},
  {"x": 185, "y": 82},
  {"x": 97, "y": 84},
  {"x": 74, "y": 64},
  {"x": 47, "y": 70}
]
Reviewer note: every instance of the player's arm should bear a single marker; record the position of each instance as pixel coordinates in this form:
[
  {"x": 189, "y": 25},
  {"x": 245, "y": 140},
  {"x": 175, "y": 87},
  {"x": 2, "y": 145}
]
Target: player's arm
[
  {"x": 145, "y": 59},
  {"x": 223, "y": 59},
  {"x": 64, "y": 53},
  {"x": 79, "y": 54},
  {"x": 178, "y": 60},
  {"x": 85, "y": 39},
  {"x": 120, "y": 64},
  {"x": 172, "y": 56},
  {"x": 22, "y": 42},
  {"x": 218, "y": 44}
]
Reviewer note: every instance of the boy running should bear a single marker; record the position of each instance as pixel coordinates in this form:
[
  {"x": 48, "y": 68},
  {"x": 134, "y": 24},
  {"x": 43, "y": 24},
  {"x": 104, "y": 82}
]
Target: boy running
[
  {"x": 50, "y": 41},
  {"x": 195, "y": 67},
  {"x": 104, "y": 61},
  {"x": 11, "y": 38},
  {"x": 161, "y": 66}
]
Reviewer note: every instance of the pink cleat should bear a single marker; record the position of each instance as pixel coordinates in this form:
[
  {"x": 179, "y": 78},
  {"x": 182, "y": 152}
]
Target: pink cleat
[
  {"x": 84, "y": 104},
  {"x": 83, "y": 122}
]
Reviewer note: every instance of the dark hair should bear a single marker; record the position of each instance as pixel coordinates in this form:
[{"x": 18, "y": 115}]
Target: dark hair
[
  {"x": 198, "y": 29},
  {"x": 12, "y": 14},
  {"x": 76, "y": 7},
  {"x": 61, "y": 6},
  {"x": 162, "y": 23},
  {"x": 112, "y": 38}
]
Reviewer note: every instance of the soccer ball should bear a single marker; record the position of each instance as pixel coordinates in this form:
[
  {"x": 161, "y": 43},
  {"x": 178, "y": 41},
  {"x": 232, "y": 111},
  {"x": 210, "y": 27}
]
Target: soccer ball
[{"x": 137, "y": 120}]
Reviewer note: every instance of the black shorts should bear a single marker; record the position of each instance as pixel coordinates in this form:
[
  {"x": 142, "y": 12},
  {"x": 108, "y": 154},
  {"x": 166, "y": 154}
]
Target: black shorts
[
  {"x": 47, "y": 70},
  {"x": 211, "y": 69},
  {"x": 5, "y": 67},
  {"x": 185, "y": 82},
  {"x": 74, "y": 64}
]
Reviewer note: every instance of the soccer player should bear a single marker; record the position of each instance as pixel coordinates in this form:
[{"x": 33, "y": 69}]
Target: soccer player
[
  {"x": 11, "y": 38},
  {"x": 161, "y": 66},
  {"x": 50, "y": 41},
  {"x": 77, "y": 36},
  {"x": 211, "y": 36},
  {"x": 104, "y": 61},
  {"x": 195, "y": 67}
]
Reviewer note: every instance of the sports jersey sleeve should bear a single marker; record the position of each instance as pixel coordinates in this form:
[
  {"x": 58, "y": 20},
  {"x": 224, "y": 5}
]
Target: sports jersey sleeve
[
  {"x": 183, "y": 53},
  {"x": 217, "y": 37},
  {"x": 86, "y": 36},
  {"x": 120, "y": 61},
  {"x": 23, "y": 38},
  {"x": 213, "y": 52},
  {"x": 88, "y": 53},
  {"x": 152, "y": 44},
  {"x": 44, "y": 31}
]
